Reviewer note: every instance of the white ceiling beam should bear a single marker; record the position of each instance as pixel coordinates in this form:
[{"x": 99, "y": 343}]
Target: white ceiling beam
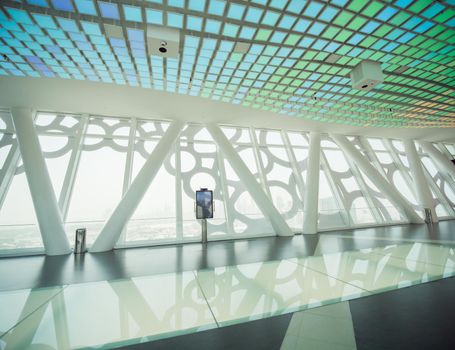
[{"x": 77, "y": 97}]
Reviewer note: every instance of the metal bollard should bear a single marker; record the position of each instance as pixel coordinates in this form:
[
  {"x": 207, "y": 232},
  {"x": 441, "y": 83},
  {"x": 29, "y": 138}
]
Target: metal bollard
[
  {"x": 79, "y": 245},
  {"x": 428, "y": 216}
]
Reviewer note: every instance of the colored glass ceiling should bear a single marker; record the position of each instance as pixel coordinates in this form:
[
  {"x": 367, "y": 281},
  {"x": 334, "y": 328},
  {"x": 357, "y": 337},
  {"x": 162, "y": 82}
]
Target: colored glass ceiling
[{"x": 298, "y": 62}]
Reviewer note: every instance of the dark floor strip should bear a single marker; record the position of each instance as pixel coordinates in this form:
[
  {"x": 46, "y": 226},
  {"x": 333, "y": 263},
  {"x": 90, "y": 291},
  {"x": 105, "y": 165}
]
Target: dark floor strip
[{"x": 418, "y": 317}]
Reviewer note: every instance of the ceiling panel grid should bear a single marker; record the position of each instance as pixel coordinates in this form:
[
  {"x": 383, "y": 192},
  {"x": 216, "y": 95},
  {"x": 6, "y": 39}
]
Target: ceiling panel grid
[{"x": 294, "y": 59}]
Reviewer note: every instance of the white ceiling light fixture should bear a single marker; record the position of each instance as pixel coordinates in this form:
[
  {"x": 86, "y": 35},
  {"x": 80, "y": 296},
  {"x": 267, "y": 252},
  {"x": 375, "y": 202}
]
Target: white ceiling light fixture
[
  {"x": 241, "y": 47},
  {"x": 401, "y": 69},
  {"x": 113, "y": 31},
  {"x": 332, "y": 58}
]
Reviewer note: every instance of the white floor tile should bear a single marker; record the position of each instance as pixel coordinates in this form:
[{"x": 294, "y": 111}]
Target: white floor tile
[
  {"x": 16, "y": 305},
  {"x": 369, "y": 270},
  {"x": 121, "y": 312},
  {"x": 140, "y": 309},
  {"x": 429, "y": 253},
  {"x": 251, "y": 291}
]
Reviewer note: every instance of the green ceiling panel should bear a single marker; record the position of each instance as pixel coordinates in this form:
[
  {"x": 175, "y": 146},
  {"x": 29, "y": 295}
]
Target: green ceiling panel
[{"x": 372, "y": 9}]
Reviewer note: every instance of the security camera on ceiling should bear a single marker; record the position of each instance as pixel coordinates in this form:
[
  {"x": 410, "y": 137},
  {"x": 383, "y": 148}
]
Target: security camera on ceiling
[
  {"x": 163, "y": 41},
  {"x": 366, "y": 75}
]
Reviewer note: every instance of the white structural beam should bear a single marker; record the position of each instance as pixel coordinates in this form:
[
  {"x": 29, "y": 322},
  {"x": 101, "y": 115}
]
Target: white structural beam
[
  {"x": 43, "y": 195},
  {"x": 381, "y": 183},
  {"x": 311, "y": 199},
  {"x": 421, "y": 187},
  {"x": 442, "y": 162},
  {"x": 113, "y": 227},
  {"x": 279, "y": 225}
]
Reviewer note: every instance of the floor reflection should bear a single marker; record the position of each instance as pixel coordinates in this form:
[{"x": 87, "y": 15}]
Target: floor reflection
[
  {"x": 17, "y": 305},
  {"x": 139, "y": 309},
  {"x": 116, "y": 312},
  {"x": 382, "y": 269},
  {"x": 251, "y": 291},
  {"x": 45, "y": 271}
]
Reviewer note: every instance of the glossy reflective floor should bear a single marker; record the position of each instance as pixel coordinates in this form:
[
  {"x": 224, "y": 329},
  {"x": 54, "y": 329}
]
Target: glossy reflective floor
[
  {"x": 419, "y": 317},
  {"x": 117, "y": 312},
  {"x": 47, "y": 271}
]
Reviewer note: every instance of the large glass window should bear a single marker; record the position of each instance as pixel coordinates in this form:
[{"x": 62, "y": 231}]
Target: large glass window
[
  {"x": 331, "y": 213},
  {"x": 443, "y": 193},
  {"x": 352, "y": 195},
  {"x": 18, "y": 224},
  {"x": 155, "y": 216},
  {"x": 99, "y": 179},
  {"x": 398, "y": 171},
  {"x": 200, "y": 169},
  {"x": 245, "y": 215},
  {"x": 381, "y": 158},
  {"x": 279, "y": 177},
  {"x": 92, "y": 161},
  {"x": 441, "y": 185}
]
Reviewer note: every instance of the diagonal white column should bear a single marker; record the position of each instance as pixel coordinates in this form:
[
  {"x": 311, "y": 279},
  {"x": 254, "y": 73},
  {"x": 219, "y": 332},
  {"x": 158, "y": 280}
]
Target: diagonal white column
[
  {"x": 381, "y": 183},
  {"x": 122, "y": 213},
  {"x": 421, "y": 187},
  {"x": 265, "y": 205},
  {"x": 311, "y": 199},
  {"x": 43, "y": 195},
  {"x": 442, "y": 162}
]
